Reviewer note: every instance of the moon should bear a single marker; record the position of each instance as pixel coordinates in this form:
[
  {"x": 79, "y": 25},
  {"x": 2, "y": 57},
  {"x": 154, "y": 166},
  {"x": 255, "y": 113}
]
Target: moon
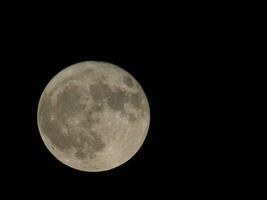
[{"x": 93, "y": 116}]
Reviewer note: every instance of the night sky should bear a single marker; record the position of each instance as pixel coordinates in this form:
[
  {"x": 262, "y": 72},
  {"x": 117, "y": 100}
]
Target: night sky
[{"x": 164, "y": 58}]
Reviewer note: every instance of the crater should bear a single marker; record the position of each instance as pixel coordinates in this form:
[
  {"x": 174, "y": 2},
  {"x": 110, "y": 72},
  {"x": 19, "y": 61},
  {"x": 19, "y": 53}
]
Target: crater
[{"x": 128, "y": 81}]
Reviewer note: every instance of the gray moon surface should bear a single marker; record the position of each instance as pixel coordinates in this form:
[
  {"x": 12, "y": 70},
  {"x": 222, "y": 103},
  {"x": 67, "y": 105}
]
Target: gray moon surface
[{"x": 93, "y": 116}]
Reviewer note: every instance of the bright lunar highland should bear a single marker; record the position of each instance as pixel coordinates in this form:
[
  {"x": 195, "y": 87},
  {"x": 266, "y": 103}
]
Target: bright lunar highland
[{"x": 93, "y": 116}]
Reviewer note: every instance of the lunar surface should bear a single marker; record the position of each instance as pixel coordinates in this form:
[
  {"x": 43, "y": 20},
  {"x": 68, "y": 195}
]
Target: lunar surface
[{"x": 93, "y": 116}]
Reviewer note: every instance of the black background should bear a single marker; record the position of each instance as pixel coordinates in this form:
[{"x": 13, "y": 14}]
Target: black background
[
  {"x": 164, "y": 56},
  {"x": 188, "y": 59}
]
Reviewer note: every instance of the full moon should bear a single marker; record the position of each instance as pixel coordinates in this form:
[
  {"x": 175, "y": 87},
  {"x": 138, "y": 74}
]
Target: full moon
[{"x": 93, "y": 116}]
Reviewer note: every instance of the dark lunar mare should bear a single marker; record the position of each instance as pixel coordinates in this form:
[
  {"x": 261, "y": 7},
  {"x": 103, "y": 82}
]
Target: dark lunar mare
[
  {"x": 128, "y": 81},
  {"x": 68, "y": 105},
  {"x": 116, "y": 98}
]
